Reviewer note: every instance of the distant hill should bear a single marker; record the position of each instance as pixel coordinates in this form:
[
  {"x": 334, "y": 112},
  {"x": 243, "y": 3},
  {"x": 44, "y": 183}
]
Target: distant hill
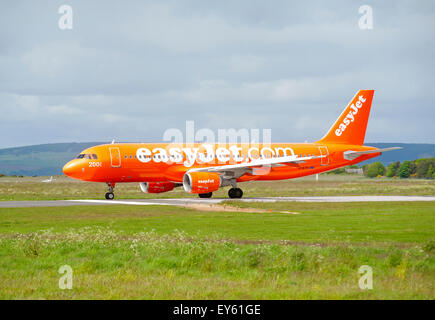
[
  {"x": 48, "y": 159},
  {"x": 40, "y": 160}
]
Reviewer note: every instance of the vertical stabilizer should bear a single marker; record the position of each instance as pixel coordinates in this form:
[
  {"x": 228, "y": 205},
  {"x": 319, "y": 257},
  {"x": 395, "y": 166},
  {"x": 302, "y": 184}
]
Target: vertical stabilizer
[{"x": 350, "y": 127}]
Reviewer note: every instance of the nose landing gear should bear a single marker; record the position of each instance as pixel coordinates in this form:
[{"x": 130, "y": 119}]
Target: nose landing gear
[{"x": 110, "y": 195}]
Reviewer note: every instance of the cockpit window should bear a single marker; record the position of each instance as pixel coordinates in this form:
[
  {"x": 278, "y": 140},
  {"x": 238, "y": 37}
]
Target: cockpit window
[{"x": 87, "y": 156}]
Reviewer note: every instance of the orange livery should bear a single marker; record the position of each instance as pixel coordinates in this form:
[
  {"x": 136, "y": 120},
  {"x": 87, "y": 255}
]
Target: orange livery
[{"x": 204, "y": 168}]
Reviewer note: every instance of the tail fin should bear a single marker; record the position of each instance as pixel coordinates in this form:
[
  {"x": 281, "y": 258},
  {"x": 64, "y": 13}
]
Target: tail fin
[{"x": 350, "y": 127}]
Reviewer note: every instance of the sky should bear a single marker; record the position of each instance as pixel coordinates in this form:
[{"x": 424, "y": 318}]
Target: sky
[{"x": 129, "y": 70}]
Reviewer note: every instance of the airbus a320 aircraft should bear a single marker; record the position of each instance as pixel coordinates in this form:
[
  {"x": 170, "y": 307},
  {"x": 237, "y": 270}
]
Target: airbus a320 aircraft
[{"x": 204, "y": 168}]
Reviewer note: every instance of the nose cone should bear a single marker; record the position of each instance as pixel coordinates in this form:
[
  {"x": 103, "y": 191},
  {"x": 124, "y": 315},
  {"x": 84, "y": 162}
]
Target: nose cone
[{"x": 72, "y": 169}]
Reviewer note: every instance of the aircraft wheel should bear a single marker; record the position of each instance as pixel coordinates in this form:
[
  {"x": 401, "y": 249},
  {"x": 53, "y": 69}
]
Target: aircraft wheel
[
  {"x": 110, "y": 196},
  {"x": 205, "y": 195},
  {"x": 235, "y": 193},
  {"x": 239, "y": 193}
]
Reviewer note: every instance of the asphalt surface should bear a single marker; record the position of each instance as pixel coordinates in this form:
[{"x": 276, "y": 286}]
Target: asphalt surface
[{"x": 187, "y": 201}]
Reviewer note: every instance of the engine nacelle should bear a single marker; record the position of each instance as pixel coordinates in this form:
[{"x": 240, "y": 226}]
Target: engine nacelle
[
  {"x": 201, "y": 182},
  {"x": 156, "y": 187}
]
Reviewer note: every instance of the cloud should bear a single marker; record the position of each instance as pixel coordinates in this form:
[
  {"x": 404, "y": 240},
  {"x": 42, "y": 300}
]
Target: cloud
[
  {"x": 132, "y": 71},
  {"x": 62, "y": 110}
]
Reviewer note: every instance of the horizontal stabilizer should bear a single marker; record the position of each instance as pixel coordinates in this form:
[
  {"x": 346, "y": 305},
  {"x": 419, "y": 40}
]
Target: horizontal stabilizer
[{"x": 352, "y": 155}]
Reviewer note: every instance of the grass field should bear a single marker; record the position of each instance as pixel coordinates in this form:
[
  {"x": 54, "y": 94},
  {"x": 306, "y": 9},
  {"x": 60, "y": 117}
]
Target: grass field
[
  {"x": 328, "y": 185},
  {"x": 162, "y": 252}
]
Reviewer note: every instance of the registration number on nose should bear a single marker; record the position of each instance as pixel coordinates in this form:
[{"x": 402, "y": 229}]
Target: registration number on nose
[{"x": 95, "y": 164}]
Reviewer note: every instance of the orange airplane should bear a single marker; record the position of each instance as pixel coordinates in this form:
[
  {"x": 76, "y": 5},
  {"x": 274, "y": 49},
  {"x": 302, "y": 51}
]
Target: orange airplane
[{"x": 204, "y": 168}]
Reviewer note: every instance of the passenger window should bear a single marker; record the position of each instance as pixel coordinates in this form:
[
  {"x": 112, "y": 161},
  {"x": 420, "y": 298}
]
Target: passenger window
[{"x": 94, "y": 156}]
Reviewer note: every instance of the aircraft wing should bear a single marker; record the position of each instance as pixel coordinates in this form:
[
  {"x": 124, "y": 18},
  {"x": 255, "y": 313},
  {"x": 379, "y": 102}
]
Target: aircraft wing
[
  {"x": 352, "y": 155},
  {"x": 239, "y": 169}
]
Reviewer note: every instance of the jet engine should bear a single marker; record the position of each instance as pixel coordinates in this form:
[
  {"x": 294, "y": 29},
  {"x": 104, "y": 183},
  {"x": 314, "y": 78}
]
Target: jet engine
[
  {"x": 156, "y": 187},
  {"x": 201, "y": 182}
]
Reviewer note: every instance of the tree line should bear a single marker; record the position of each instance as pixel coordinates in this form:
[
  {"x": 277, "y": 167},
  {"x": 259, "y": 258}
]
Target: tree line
[{"x": 420, "y": 168}]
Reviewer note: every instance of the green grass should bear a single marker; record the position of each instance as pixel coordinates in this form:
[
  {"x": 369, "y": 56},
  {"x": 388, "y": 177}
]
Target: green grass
[
  {"x": 324, "y": 222},
  {"x": 329, "y": 185},
  {"x": 160, "y": 252}
]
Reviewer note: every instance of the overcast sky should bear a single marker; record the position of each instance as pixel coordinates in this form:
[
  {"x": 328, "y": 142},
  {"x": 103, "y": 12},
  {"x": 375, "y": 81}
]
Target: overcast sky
[{"x": 132, "y": 69}]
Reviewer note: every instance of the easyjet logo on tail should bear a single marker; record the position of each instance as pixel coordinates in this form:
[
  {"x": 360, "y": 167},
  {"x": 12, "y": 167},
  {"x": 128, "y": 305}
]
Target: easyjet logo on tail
[{"x": 350, "y": 117}]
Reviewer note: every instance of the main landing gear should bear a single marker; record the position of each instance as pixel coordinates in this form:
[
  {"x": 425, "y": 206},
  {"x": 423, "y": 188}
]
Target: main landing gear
[
  {"x": 235, "y": 193},
  {"x": 110, "y": 195},
  {"x": 205, "y": 195}
]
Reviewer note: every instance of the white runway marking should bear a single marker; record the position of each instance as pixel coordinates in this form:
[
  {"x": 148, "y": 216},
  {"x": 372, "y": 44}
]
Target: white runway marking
[
  {"x": 344, "y": 199},
  {"x": 136, "y": 203},
  {"x": 187, "y": 201}
]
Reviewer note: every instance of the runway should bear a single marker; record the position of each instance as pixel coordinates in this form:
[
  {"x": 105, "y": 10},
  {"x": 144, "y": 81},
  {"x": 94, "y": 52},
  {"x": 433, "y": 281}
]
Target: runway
[{"x": 190, "y": 201}]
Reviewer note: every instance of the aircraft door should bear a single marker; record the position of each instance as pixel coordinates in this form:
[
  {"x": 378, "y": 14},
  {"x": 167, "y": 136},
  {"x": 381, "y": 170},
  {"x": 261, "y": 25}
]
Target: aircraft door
[
  {"x": 115, "y": 157},
  {"x": 324, "y": 152}
]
